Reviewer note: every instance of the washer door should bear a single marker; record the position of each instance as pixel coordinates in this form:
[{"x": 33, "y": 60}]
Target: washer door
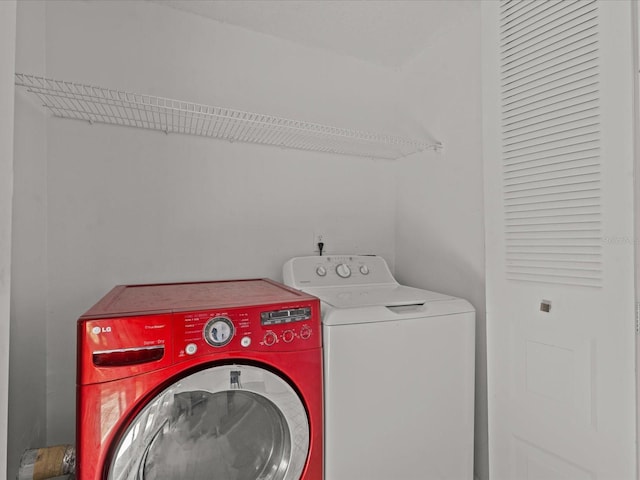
[{"x": 231, "y": 422}]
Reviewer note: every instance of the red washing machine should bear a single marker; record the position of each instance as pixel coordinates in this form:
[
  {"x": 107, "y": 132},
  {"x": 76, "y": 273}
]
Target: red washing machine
[{"x": 209, "y": 380}]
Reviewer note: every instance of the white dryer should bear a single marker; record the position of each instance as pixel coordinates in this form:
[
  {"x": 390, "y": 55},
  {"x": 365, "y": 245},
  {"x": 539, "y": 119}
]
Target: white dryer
[{"x": 399, "y": 372}]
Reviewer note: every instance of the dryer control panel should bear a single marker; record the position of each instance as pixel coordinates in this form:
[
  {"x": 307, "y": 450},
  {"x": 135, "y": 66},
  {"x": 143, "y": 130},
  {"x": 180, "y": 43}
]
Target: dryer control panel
[
  {"x": 137, "y": 329},
  {"x": 279, "y": 328}
]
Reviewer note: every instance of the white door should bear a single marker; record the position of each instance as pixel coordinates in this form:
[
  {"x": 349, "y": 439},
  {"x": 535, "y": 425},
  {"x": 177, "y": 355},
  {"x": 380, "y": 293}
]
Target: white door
[{"x": 558, "y": 81}]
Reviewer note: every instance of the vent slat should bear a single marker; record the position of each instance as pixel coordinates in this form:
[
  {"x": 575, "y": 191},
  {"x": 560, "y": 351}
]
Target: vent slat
[
  {"x": 556, "y": 47},
  {"x": 551, "y": 206},
  {"x": 552, "y": 64},
  {"x": 584, "y": 234},
  {"x": 555, "y": 129},
  {"x": 552, "y": 257},
  {"x": 583, "y": 97},
  {"x": 551, "y": 142},
  {"x": 576, "y": 29},
  {"x": 552, "y": 16},
  {"x": 585, "y": 164}
]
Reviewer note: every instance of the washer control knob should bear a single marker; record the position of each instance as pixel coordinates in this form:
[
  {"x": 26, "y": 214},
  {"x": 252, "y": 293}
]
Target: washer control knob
[
  {"x": 191, "y": 349},
  {"x": 288, "y": 336},
  {"x": 218, "y": 331},
  {"x": 305, "y": 332},
  {"x": 270, "y": 338},
  {"x": 245, "y": 341},
  {"x": 364, "y": 270},
  {"x": 321, "y": 271},
  {"x": 343, "y": 270}
]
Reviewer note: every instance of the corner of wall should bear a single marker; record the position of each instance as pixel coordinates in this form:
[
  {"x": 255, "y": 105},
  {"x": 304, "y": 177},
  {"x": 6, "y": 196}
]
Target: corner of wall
[
  {"x": 27, "y": 362},
  {"x": 7, "y": 71}
]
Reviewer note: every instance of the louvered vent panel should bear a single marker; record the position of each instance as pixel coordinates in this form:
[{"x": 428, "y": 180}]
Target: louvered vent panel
[{"x": 551, "y": 141}]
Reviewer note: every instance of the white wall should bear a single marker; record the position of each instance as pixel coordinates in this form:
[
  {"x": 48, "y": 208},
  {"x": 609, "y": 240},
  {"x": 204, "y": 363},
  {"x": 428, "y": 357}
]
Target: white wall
[
  {"x": 145, "y": 47},
  {"x": 27, "y": 383},
  {"x": 7, "y": 70},
  {"x": 439, "y": 226},
  {"x": 126, "y": 205}
]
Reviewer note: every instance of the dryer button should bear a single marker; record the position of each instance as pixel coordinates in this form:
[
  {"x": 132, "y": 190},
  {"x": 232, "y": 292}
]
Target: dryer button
[{"x": 190, "y": 349}]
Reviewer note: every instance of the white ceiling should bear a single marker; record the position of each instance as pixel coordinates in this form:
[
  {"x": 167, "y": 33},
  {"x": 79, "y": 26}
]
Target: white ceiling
[{"x": 384, "y": 32}]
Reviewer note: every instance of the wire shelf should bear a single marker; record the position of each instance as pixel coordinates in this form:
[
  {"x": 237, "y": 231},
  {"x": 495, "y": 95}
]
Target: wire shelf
[{"x": 102, "y": 105}]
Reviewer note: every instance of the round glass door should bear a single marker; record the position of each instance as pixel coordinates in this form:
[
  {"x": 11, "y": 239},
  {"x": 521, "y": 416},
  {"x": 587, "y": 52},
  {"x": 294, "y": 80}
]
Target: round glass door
[{"x": 232, "y": 422}]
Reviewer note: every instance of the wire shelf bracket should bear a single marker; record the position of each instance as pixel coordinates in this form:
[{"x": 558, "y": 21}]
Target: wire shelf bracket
[{"x": 101, "y": 105}]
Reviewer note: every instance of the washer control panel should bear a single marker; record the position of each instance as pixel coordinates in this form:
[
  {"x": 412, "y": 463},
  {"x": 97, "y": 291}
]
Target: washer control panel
[{"x": 336, "y": 270}]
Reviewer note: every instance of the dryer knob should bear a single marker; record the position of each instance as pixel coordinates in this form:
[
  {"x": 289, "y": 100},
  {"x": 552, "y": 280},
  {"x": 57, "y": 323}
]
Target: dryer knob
[
  {"x": 270, "y": 338},
  {"x": 218, "y": 331},
  {"x": 288, "y": 336},
  {"x": 305, "y": 332}
]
